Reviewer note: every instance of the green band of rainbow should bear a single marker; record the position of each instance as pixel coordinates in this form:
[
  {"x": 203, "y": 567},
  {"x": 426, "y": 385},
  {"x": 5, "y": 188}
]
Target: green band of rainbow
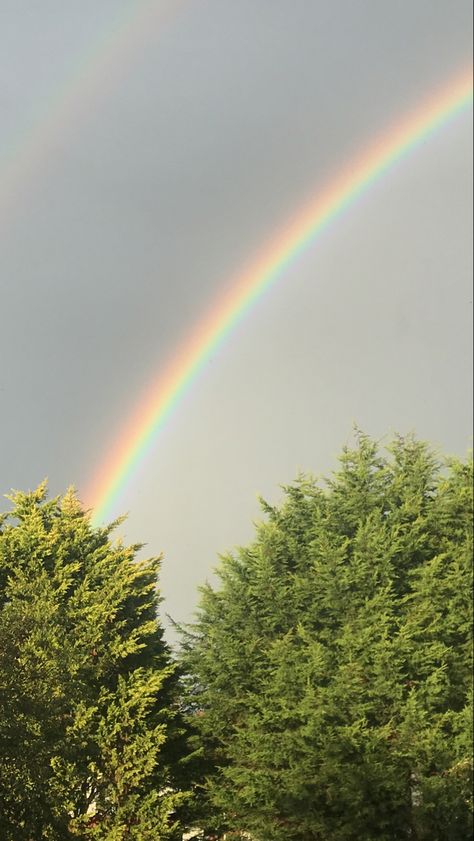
[{"x": 161, "y": 399}]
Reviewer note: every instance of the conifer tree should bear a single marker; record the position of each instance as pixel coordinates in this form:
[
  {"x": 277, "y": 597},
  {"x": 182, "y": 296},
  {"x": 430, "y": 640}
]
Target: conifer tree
[
  {"x": 89, "y": 726},
  {"x": 331, "y": 667}
]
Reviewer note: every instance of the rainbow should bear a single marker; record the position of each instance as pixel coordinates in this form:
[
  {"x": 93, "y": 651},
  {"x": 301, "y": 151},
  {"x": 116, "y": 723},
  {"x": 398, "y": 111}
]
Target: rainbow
[
  {"x": 99, "y": 67},
  {"x": 140, "y": 434}
]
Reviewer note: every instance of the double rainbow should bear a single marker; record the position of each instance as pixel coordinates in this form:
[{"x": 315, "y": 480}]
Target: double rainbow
[{"x": 140, "y": 434}]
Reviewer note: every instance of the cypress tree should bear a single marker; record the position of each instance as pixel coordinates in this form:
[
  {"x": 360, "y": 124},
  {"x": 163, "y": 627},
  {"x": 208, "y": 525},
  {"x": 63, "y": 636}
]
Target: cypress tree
[
  {"x": 330, "y": 667},
  {"x": 89, "y": 725}
]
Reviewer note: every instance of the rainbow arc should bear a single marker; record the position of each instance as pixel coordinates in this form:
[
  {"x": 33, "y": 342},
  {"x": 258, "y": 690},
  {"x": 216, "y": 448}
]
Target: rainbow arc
[{"x": 139, "y": 436}]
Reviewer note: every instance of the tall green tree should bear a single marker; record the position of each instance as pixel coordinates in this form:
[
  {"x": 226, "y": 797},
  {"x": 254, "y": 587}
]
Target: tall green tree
[
  {"x": 90, "y": 737},
  {"x": 330, "y": 669}
]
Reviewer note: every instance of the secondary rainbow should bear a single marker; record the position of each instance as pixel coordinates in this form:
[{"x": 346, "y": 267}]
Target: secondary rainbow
[
  {"x": 59, "y": 112},
  {"x": 140, "y": 434}
]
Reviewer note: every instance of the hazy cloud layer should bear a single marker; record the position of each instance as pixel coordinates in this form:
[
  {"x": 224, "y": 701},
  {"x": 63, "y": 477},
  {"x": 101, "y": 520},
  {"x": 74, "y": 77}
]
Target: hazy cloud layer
[{"x": 181, "y": 160}]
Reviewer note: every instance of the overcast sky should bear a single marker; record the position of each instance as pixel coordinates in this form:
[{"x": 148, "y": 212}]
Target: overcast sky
[{"x": 147, "y": 154}]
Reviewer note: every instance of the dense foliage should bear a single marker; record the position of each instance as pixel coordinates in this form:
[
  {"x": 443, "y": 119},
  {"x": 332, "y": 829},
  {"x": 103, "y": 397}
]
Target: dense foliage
[
  {"x": 89, "y": 735},
  {"x": 330, "y": 670},
  {"x": 328, "y": 683}
]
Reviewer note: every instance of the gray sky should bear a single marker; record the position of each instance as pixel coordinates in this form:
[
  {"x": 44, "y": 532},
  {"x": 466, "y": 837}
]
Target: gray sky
[{"x": 179, "y": 153}]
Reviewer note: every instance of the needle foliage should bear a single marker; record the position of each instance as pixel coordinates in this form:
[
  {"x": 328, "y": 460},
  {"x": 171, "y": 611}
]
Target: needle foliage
[
  {"x": 89, "y": 731},
  {"x": 330, "y": 668}
]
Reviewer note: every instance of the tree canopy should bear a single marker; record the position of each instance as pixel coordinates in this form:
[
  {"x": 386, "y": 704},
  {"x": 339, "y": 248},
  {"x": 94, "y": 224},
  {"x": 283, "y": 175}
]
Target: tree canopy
[
  {"x": 330, "y": 669},
  {"x": 89, "y": 726},
  {"x": 324, "y": 691}
]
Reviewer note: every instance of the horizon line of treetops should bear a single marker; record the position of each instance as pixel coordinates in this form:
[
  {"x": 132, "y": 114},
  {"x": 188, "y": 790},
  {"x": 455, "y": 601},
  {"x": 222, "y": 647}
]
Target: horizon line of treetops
[{"x": 323, "y": 692}]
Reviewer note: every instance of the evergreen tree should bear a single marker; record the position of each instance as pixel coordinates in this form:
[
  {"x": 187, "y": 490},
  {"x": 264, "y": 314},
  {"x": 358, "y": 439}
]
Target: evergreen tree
[
  {"x": 330, "y": 670},
  {"x": 89, "y": 726}
]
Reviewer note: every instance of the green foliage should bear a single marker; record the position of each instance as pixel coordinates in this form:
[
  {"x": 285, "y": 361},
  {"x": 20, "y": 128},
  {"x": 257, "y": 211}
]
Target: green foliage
[
  {"x": 89, "y": 726},
  {"x": 330, "y": 671}
]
